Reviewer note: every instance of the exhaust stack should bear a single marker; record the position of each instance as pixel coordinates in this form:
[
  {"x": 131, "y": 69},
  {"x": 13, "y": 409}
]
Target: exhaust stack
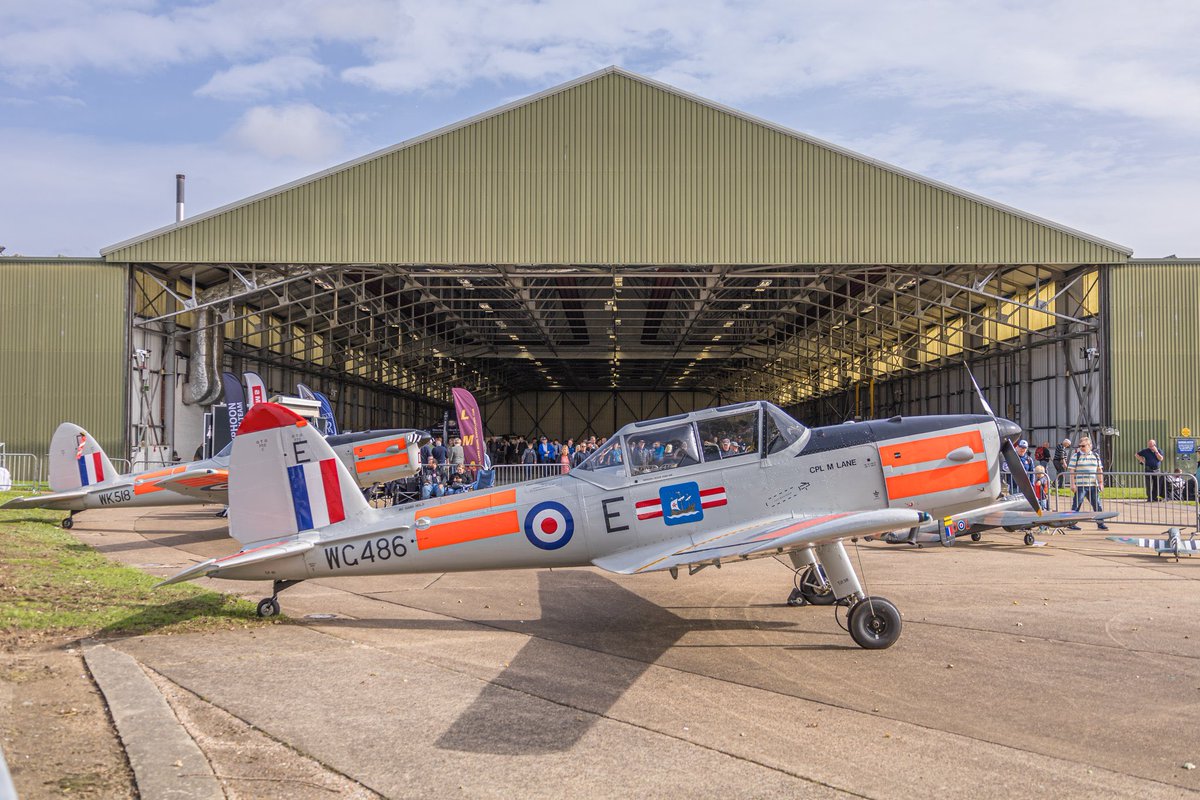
[{"x": 179, "y": 179}]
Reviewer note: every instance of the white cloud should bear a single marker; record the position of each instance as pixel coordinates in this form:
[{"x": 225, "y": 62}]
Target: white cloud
[
  {"x": 273, "y": 76},
  {"x": 297, "y": 130}
]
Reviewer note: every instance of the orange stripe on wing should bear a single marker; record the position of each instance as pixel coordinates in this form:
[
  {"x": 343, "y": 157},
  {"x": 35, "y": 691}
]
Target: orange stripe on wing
[
  {"x": 941, "y": 479},
  {"x": 468, "y": 530},
  {"x": 932, "y": 448},
  {"x": 376, "y": 464},
  {"x": 144, "y": 484}
]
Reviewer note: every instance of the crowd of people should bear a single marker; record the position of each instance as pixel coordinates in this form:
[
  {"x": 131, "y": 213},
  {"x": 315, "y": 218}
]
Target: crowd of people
[{"x": 1080, "y": 469}]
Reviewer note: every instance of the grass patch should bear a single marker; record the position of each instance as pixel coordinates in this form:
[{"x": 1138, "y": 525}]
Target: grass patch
[{"x": 51, "y": 583}]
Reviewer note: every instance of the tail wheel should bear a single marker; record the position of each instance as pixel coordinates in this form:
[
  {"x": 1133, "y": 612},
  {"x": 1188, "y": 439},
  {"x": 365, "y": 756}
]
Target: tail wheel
[
  {"x": 975, "y": 537},
  {"x": 815, "y": 588},
  {"x": 268, "y": 607},
  {"x": 875, "y": 623}
]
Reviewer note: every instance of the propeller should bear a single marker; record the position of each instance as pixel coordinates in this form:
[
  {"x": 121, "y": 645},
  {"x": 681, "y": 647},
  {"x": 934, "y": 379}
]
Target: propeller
[{"x": 1007, "y": 451}]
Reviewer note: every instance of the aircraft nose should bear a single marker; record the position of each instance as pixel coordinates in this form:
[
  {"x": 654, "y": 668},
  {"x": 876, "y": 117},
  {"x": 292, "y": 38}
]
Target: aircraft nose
[{"x": 1008, "y": 428}]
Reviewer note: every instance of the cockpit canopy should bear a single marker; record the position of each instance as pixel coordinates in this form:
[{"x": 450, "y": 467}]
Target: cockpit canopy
[{"x": 743, "y": 431}]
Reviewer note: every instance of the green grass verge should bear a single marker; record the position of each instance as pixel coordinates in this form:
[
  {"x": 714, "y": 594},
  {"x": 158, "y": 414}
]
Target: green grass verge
[{"x": 51, "y": 583}]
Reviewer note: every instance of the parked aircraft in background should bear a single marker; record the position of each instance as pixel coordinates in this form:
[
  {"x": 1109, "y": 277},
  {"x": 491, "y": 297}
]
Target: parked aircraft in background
[
  {"x": 83, "y": 477},
  {"x": 1173, "y": 545},
  {"x": 785, "y": 489}
]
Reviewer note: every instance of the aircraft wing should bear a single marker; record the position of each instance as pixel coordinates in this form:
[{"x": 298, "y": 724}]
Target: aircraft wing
[
  {"x": 762, "y": 539},
  {"x": 253, "y": 555},
  {"x": 1017, "y": 520},
  {"x": 60, "y": 501},
  {"x": 1157, "y": 544},
  {"x": 210, "y": 484}
]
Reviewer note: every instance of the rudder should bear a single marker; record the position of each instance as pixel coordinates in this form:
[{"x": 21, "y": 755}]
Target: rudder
[
  {"x": 286, "y": 479},
  {"x": 77, "y": 460}
]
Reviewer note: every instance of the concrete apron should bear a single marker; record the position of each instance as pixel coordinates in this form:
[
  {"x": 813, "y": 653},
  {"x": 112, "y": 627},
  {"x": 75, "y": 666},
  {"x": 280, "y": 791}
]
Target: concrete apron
[{"x": 1017, "y": 674}]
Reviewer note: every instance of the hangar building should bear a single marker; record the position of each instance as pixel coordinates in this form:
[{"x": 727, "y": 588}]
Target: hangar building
[{"x": 610, "y": 249}]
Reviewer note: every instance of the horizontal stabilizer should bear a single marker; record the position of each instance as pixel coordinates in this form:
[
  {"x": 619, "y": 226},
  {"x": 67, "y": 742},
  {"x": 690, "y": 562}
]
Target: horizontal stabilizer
[
  {"x": 255, "y": 555},
  {"x": 788, "y": 533},
  {"x": 60, "y": 501}
]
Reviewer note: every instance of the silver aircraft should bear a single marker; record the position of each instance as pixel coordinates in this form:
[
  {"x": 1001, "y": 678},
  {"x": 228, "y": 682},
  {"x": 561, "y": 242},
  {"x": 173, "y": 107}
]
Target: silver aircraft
[
  {"x": 707, "y": 488},
  {"x": 83, "y": 477},
  {"x": 1172, "y": 545}
]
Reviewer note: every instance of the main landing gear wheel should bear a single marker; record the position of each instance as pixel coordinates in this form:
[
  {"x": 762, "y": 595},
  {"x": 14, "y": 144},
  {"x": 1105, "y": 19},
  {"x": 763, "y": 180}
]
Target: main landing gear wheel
[
  {"x": 874, "y": 623},
  {"x": 68, "y": 523},
  {"x": 268, "y": 607},
  {"x": 975, "y": 537},
  {"x": 815, "y": 589},
  {"x": 1029, "y": 539}
]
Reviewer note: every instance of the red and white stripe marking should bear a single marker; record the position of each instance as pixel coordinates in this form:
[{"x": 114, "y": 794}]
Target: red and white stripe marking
[{"x": 709, "y": 498}]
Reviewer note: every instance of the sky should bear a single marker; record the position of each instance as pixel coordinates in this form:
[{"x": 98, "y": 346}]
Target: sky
[{"x": 1086, "y": 112}]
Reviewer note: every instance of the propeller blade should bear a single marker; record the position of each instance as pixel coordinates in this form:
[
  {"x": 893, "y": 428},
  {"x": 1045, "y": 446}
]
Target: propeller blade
[
  {"x": 979, "y": 392},
  {"x": 1019, "y": 474}
]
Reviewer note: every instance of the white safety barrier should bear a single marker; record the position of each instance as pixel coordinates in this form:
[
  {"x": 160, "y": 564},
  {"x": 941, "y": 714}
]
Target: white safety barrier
[
  {"x": 517, "y": 473},
  {"x": 22, "y": 472},
  {"x": 1128, "y": 494}
]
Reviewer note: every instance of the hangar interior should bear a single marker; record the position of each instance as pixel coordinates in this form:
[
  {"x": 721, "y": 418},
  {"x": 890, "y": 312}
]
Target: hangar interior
[{"x": 614, "y": 249}]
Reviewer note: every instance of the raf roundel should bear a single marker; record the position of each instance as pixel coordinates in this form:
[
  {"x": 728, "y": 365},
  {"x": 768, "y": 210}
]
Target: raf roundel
[{"x": 549, "y": 525}]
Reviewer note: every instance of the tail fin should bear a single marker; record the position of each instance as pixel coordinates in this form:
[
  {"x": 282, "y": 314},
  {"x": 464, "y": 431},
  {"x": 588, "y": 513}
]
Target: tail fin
[
  {"x": 77, "y": 460},
  {"x": 285, "y": 478}
]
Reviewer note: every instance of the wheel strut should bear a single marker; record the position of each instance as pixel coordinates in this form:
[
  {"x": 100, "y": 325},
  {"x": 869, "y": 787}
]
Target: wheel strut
[{"x": 269, "y": 606}]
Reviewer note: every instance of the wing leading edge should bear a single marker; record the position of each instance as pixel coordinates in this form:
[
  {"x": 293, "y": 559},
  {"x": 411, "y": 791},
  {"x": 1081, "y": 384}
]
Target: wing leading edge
[{"x": 769, "y": 538}]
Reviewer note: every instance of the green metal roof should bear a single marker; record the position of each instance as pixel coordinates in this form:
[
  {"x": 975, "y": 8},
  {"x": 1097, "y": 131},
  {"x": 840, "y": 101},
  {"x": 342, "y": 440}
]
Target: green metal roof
[{"x": 614, "y": 168}]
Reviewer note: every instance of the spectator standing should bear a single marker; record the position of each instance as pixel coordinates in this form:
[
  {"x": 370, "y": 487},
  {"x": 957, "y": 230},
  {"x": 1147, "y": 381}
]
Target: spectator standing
[
  {"x": 1151, "y": 459},
  {"x": 1041, "y": 486},
  {"x": 545, "y": 453},
  {"x": 1026, "y": 460},
  {"x": 457, "y": 459},
  {"x": 528, "y": 458},
  {"x": 1061, "y": 453},
  {"x": 441, "y": 455},
  {"x": 1042, "y": 455},
  {"x": 564, "y": 458},
  {"x": 1087, "y": 480}
]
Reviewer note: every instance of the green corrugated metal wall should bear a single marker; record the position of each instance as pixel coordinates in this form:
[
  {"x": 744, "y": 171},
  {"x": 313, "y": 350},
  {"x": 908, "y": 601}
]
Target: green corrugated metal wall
[
  {"x": 1154, "y": 354},
  {"x": 616, "y": 170},
  {"x": 62, "y": 351}
]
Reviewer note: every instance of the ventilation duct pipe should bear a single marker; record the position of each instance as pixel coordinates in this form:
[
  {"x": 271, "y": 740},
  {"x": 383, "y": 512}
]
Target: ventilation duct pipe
[{"x": 204, "y": 367}]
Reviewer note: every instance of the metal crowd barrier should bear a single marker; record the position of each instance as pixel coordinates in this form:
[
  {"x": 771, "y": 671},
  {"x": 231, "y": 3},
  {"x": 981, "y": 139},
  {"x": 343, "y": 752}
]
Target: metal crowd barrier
[
  {"x": 1126, "y": 493},
  {"x": 25, "y": 471},
  {"x": 516, "y": 473}
]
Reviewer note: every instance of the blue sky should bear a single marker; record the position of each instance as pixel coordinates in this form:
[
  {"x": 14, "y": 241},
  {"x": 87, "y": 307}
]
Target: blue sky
[{"x": 1087, "y": 113}]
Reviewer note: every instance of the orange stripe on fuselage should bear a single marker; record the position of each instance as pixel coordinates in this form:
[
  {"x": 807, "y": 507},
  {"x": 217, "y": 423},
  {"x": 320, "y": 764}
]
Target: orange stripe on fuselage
[
  {"x": 485, "y": 526},
  {"x": 958, "y": 476},
  {"x": 375, "y": 448},
  {"x": 931, "y": 448},
  {"x": 144, "y": 484},
  {"x": 374, "y": 464},
  {"x": 476, "y": 502},
  {"x": 468, "y": 530}
]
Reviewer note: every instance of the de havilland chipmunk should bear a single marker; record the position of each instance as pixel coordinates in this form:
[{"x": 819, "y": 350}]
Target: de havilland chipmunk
[
  {"x": 787, "y": 489},
  {"x": 83, "y": 477}
]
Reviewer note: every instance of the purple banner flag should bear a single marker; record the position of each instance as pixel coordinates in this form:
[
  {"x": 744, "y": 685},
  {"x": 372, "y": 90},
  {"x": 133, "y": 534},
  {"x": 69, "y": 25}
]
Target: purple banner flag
[{"x": 470, "y": 426}]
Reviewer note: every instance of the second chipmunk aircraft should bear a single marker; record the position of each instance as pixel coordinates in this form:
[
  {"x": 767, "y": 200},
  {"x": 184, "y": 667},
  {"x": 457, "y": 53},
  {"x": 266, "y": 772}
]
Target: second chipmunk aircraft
[{"x": 631, "y": 507}]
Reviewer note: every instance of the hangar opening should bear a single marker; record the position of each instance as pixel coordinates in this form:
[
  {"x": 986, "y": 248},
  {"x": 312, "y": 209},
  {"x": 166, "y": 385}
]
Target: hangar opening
[{"x": 615, "y": 249}]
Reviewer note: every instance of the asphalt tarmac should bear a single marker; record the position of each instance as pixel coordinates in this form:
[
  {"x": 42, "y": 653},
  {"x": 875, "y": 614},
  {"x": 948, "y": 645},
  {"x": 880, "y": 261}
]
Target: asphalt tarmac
[{"x": 1069, "y": 669}]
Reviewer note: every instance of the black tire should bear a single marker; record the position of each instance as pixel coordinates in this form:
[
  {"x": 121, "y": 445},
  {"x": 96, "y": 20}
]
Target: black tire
[
  {"x": 1029, "y": 540},
  {"x": 68, "y": 523},
  {"x": 815, "y": 589},
  {"x": 268, "y": 607},
  {"x": 875, "y": 623},
  {"x": 975, "y": 537}
]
